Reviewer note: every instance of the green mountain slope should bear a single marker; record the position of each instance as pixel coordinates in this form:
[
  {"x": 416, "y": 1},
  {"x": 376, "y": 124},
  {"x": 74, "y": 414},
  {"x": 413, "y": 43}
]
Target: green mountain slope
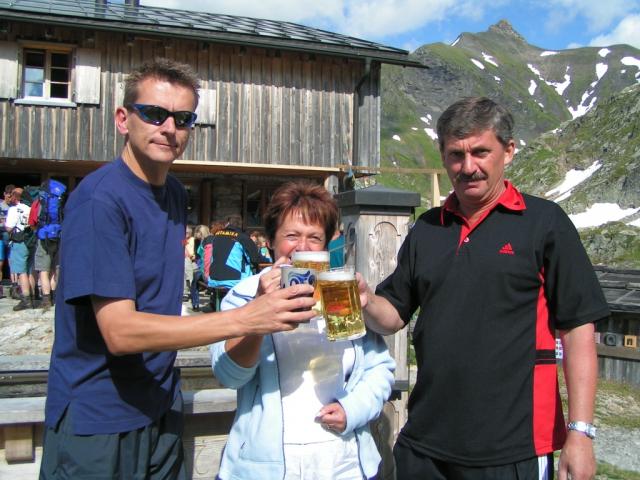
[{"x": 576, "y": 110}]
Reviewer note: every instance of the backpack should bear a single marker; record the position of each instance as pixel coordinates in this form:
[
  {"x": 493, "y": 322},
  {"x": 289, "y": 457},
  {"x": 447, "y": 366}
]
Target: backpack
[
  {"x": 52, "y": 196},
  {"x": 29, "y": 195}
]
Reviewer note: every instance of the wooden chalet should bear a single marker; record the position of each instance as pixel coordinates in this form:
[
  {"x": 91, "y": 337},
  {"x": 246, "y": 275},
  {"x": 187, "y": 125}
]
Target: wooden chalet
[{"x": 277, "y": 100}]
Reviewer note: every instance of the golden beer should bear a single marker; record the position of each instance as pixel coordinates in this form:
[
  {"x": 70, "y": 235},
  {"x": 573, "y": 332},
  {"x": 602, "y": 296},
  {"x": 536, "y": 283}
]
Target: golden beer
[
  {"x": 318, "y": 261},
  {"x": 315, "y": 260},
  {"x": 341, "y": 305}
]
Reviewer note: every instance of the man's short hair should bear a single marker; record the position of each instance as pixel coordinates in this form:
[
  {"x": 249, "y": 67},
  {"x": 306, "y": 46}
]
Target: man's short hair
[
  {"x": 161, "y": 69},
  {"x": 17, "y": 193},
  {"x": 234, "y": 221},
  {"x": 9, "y": 188},
  {"x": 473, "y": 115},
  {"x": 309, "y": 199}
]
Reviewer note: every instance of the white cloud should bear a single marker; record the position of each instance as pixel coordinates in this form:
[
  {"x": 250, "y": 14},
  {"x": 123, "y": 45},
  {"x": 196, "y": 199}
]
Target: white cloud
[
  {"x": 599, "y": 14},
  {"x": 627, "y": 31}
]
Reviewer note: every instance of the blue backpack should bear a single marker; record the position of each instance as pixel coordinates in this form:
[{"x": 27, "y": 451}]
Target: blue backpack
[{"x": 50, "y": 217}]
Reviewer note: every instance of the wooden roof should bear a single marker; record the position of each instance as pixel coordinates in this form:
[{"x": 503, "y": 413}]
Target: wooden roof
[
  {"x": 203, "y": 26},
  {"x": 621, "y": 288}
]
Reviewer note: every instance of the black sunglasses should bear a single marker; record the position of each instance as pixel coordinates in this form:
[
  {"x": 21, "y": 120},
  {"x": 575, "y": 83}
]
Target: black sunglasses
[{"x": 157, "y": 115}]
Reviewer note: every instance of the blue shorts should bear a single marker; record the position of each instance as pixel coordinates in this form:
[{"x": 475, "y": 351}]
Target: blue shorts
[
  {"x": 4, "y": 245},
  {"x": 19, "y": 258}
]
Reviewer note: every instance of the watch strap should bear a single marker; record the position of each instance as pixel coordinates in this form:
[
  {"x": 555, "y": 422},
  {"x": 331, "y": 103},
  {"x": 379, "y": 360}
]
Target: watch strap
[{"x": 583, "y": 427}]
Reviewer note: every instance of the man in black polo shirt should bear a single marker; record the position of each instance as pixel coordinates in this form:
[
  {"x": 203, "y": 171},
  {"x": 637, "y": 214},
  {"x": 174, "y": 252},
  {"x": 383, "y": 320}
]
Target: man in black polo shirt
[{"x": 494, "y": 273}]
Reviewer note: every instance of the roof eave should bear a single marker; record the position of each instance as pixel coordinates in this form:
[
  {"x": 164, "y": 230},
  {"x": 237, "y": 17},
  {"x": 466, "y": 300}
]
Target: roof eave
[{"x": 214, "y": 37}]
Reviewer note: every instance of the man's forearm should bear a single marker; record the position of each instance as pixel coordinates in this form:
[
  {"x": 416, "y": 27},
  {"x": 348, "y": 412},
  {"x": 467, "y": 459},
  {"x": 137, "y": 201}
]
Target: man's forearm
[
  {"x": 381, "y": 316},
  {"x": 580, "y": 365}
]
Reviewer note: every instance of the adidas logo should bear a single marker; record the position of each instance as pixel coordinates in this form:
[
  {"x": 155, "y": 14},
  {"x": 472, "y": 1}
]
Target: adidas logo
[{"x": 507, "y": 249}]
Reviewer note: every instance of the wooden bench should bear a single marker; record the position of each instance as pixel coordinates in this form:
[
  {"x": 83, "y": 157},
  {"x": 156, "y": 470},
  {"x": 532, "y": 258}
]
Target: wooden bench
[{"x": 18, "y": 417}]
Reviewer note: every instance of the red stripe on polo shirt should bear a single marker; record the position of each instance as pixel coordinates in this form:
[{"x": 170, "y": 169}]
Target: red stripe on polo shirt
[
  {"x": 548, "y": 420},
  {"x": 511, "y": 199}
]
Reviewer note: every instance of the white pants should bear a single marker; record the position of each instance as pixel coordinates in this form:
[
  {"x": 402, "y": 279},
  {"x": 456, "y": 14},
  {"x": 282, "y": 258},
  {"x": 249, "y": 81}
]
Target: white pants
[{"x": 333, "y": 460}]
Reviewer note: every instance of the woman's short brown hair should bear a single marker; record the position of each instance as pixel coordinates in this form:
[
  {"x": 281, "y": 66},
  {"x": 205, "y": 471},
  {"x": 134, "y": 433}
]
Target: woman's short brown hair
[{"x": 310, "y": 200}]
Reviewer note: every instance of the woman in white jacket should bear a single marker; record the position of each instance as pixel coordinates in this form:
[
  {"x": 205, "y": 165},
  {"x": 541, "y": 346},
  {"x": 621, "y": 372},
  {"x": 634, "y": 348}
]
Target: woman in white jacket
[{"x": 304, "y": 403}]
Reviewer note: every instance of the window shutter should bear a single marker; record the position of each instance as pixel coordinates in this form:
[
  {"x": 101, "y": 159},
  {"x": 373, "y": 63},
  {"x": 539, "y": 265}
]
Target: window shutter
[
  {"x": 9, "y": 68},
  {"x": 87, "y": 76},
  {"x": 206, "y": 107}
]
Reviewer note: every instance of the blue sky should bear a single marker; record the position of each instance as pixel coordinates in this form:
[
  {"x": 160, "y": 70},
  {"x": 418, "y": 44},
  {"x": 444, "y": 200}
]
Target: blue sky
[{"x": 408, "y": 24}]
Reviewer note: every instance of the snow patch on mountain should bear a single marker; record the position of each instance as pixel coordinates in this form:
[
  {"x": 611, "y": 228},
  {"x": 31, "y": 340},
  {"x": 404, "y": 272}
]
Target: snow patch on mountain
[
  {"x": 532, "y": 87},
  {"x": 478, "y": 63},
  {"x": 572, "y": 179},
  {"x": 560, "y": 87},
  {"x": 432, "y": 133},
  {"x": 534, "y": 70},
  {"x": 632, "y": 62},
  {"x": 603, "y": 52},
  {"x": 548, "y": 53},
  {"x": 396, "y": 138},
  {"x": 601, "y": 213},
  {"x": 601, "y": 69},
  {"x": 489, "y": 59}
]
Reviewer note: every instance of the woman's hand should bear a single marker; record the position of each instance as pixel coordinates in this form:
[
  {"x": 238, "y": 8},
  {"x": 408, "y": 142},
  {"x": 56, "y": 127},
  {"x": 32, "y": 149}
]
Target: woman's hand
[
  {"x": 332, "y": 417},
  {"x": 270, "y": 281}
]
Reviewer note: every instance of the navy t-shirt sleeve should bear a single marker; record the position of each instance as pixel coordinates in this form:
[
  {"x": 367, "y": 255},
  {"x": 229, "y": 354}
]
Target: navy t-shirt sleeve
[
  {"x": 572, "y": 288},
  {"x": 98, "y": 262},
  {"x": 399, "y": 287}
]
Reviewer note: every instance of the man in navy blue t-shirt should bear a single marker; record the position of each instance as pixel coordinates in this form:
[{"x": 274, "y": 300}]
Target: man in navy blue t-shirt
[{"x": 114, "y": 408}]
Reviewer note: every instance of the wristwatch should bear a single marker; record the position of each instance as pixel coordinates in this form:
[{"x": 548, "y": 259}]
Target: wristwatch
[{"x": 583, "y": 427}]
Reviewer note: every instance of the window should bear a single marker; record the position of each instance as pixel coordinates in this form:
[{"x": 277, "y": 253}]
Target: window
[
  {"x": 47, "y": 74},
  {"x": 255, "y": 203}
]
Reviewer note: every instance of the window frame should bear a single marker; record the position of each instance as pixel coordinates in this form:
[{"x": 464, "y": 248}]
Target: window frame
[
  {"x": 48, "y": 47},
  {"x": 48, "y": 70}
]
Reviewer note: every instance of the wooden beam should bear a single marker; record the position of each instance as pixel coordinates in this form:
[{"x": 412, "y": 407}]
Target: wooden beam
[{"x": 367, "y": 169}]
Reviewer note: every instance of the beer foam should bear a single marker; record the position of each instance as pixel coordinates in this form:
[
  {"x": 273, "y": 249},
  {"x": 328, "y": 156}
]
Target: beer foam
[
  {"x": 336, "y": 276},
  {"x": 311, "y": 256}
]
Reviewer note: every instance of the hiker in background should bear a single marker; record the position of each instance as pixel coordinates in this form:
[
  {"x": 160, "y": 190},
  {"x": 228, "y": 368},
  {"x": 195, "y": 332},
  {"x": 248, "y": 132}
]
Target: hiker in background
[
  {"x": 234, "y": 255},
  {"x": 189, "y": 260},
  {"x": 261, "y": 242},
  {"x": 200, "y": 233},
  {"x": 4, "y": 235},
  {"x": 336, "y": 248},
  {"x": 45, "y": 218},
  {"x": 21, "y": 239},
  {"x": 114, "y": 402},
  {"x": 495, "y": 274}
]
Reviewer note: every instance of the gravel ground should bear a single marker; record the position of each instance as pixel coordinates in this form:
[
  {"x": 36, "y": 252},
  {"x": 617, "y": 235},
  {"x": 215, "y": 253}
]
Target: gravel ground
[{"x": 619, "y": 447}]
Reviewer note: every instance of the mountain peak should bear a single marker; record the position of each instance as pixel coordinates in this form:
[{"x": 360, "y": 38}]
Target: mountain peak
[{"x": 503, "y": 27}]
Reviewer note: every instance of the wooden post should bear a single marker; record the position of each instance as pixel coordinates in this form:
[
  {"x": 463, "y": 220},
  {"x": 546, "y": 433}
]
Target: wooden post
[
  {"x": 205, "y": 202},
  {"x": 435, "y": 191},
  {"x": 376, "y": 221}
]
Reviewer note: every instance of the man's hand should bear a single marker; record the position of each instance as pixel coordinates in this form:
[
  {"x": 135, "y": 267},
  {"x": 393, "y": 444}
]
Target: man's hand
[
  {"x": 332, "y": 417},
  {"x": 577, "y": 461},
  {"x": 276, "y": 311},
  {"x": 363, "y": 289}
]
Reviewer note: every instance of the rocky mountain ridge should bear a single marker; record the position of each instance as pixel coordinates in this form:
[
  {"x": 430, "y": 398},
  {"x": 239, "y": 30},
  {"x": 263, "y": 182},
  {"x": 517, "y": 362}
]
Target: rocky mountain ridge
[{"x": 576, "y": 114}]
